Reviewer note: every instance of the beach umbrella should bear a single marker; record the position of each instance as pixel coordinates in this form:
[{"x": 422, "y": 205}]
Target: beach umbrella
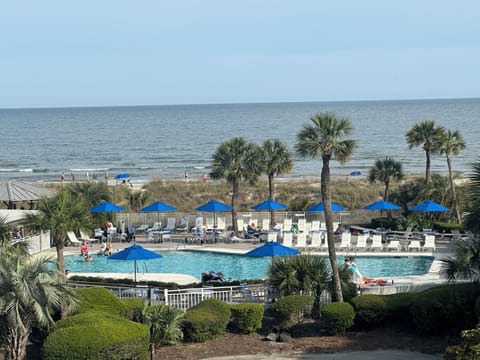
[
  {"x": 319, "y": 207},
  {"x": 158, "y": 207},
  {"x": 214, "y": 206},
  {"x": 429, "y": 206},
  {"x": 271, "y": 249},
  {"x": 134, "y": 252},
  {"x": 106, "y": 206},
  {"x": 270, "y": 205},
  {"x": 122, "y": 176},
  {"x": 356, "y": 173},
  {"x": 381, "y": 205}
]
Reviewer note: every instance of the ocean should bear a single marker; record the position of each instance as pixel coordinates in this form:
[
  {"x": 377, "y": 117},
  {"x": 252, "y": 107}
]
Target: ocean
[{"x": 151, "y": 142}]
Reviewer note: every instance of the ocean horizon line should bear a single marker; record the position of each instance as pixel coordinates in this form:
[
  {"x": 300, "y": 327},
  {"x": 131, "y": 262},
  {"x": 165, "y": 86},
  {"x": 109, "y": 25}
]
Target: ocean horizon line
[{"x": 240, "y": 103}]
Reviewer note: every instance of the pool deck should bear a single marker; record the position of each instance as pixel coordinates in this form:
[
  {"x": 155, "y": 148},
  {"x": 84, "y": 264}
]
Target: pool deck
[{"x": 417, "y": 282}]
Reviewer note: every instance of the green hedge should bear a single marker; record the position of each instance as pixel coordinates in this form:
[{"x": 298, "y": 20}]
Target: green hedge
[
  {"x": 206, "y": 320},
  {"x": 97, "y": 335},
  {"x": 100, "y": 299},
  {"x": 133, "y": 308},
  {"x": 247, "y": 317},
  {"x": 291, "y": 309},
  {"x": 338, "y": 317},
  {"x": 445, "y": 308}
]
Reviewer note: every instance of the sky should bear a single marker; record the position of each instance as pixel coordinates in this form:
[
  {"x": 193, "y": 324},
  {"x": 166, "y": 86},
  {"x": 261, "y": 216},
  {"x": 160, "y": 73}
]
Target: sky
[{"x": 161, "y": 52}]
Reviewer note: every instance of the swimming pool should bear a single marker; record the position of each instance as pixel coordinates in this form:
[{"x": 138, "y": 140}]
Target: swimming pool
[{"x": 239, "y": 267}]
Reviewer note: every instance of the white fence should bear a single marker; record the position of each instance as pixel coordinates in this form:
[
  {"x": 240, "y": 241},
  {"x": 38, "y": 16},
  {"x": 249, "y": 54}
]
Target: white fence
[{"x": 38, "y": 243}]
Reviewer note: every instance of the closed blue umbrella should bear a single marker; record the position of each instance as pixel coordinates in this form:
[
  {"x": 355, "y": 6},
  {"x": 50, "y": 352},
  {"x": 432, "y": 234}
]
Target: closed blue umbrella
[
  {"x": 214, "y": 206},
  {"x": 381, "y": 205},
  {"x": 135, "y": 252},
  {"x": 106, "y": 206},
  {"x": 271, "y": 249},
  {"x": 319, "y": 207},
  {"x": 429, "y": 206}
]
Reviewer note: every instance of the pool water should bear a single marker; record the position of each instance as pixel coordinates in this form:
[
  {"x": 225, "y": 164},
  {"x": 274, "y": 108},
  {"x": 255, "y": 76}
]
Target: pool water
[{"x": 239, "y": 267}]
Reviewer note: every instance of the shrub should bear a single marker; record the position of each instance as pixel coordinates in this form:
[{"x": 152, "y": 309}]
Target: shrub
[
  {"x": 349, "y": 290},
  {"x": 164, "y": 322},
  {"x": 133, "y": 309},
  {"x": 247, "y": 317},
  {"x": 398, "y": 307},
  {"x": 370, "y": 310},
  {"x": 338, "y": 316},
  {"x": 100, "y": 299},
  {"x": 291, "y": 309},
  {"x": 206, "y": 320},
  {"x": 97, "y": 335},
  {"x": 447, "y": 307},
  {"x": 469, "y": 348}
]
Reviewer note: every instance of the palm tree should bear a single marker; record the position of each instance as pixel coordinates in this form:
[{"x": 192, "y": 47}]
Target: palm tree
[
  {"x": 471, "y": 220},
  {"x": 59, "y": 214},
  {"x": 425, "y": 134},
  {"x": 277, "y": 161},
  {"x": 324, "y": 138},
  {"x": 451, "y": 143},
  {"x": 386, "y": 171},
  {"x": 236, "y": 160},
  {"x": 465, "y": 265},
  {"x": 31, "y": 290}
]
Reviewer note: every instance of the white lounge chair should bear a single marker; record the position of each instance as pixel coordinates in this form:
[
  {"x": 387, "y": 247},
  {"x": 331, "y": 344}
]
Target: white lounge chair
[
  {"x": 376, "y": 242},
  {"x": 429, "y": 242},
  {"x": 288, "y": 238},
  {"x": 73, "y": 239},
  {"x": 302, "y": 225},
  {"x": 221, "y": 221},
  {"x": 315, "y": 225},
  {"x": 209, "y": 222},
  {"x": 266, "y": 224},
  {"x": 301, "y": 240},
  {"x": 142, "y": 228},
  {"x": 414, "y": 245},
  {"x": 157, "y": 226},
  {"x": 393, "y": 245},
  {"x": 316, "y": 240},
  {"x": 171, "y": 221},
  {"x": 361, "y": 242},
  {"x": 84, "y": 236},
  {"x": 346, "y": 241},
  {"x": 287, "y": 224},
  {"x": 183, "y": 226}
]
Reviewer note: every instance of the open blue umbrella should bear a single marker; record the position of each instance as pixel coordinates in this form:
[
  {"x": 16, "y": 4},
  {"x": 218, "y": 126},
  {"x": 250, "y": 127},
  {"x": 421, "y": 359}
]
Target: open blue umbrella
[
  {"x": 429, "y": 206},
  {"x": 319, "y": 207},
  {"x": 106, "y": 206},
  {"x": 135, "y": 252},
  {"x": 271, "y": 249},
  {"x": 381, "y": 205},
  {"x": 158, "y": 206},
  {"x": 214, "y": 206},
  {"x": 122, "y": 176},
  {"x": 269, "y": 205}
]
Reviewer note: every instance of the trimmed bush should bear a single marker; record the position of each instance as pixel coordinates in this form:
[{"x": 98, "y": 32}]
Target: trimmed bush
[
  {"x": 100, "y": 299},
  {"x": 349, "y": 290},
  {"x": 206, "y": 320},
  {"x": 97, "y": 335},
  {"x": 469, "y": 348},
  {"x": 291, "y": 309},
  {"x": 398, "y": 307},
  {"x": 247, "y": 317},
  {"x": 370, "y": 310},
  {"x": 445, "y": 308},
  {"x": 133, "y": 309},
  {"x": 338, "y": 316}
]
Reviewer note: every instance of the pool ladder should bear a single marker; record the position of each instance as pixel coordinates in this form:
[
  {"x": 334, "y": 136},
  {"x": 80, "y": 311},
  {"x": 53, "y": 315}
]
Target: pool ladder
[{"x": 145, "y": 268}]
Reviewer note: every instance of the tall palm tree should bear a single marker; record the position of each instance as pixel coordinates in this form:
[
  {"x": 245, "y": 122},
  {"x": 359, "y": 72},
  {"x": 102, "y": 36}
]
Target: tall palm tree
[
  {"x": 277, "y": 161},
  {"x": 324, "y": 137},
  {"x": 386, "y": 171},
  {"x": 31, "y": 291},
  {"x": 451, "y": 143},
  {"x": 425, "y": 134},
  {"x": 465, "y": 264},
  {"x": 236, "y": 160},
  {"x": 471, "y": 220},
  {"x": 59, "y": 214}
]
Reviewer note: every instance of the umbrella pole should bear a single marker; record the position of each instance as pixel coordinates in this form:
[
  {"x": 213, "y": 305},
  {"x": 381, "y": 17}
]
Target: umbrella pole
[{"x": 135, "y": 271}]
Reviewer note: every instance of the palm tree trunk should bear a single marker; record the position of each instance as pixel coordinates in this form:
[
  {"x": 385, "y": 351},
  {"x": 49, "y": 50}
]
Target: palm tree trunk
[
  {"x": 270, "y": 196},
  {"x": 386, "y": 195},
  {"x": 428, "y": 176},
  {"x": 455, "y": 209},
  {"x": 235, "y": 188},
  {"x": 16, "y": 344},
  {"x": 60, "y": 245},
  {"x": 327, "y": 204}
]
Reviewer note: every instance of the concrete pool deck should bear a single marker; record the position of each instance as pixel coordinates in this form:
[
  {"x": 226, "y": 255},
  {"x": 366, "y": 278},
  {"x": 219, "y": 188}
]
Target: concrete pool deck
[{"x": 434, "y": 276}]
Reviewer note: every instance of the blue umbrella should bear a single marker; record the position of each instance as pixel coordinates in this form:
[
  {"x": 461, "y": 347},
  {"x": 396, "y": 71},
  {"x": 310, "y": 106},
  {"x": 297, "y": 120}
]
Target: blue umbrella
[
  {"x": 381, "y": 205},
  {"x": 356, "y": 173},
  {"x": 122, "y": 176},
  {"x": 106, "y": 206},
  {"x": 214, "y": 206},
  {"x": 319, "y": 207},
  {"x": 158, "y": 206},
  {"x": 135, "y": 252},
  {"x": 272, "y": 248},
  {"x": 269, "y": 205},
  {"x": 429, "y": 206}
]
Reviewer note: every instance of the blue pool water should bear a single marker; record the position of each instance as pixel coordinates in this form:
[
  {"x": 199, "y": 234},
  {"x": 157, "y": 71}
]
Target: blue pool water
[{"x": 238, "y": 267}]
